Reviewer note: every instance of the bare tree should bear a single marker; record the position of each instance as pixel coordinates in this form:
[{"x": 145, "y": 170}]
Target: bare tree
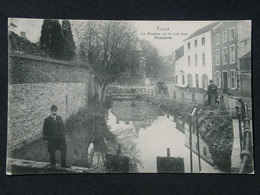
[{"x": 107, "y": 46}]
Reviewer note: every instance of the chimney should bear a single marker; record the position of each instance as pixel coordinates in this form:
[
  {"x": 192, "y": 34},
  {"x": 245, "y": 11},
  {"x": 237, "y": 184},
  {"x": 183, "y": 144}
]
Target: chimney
[{"x": 22, "y": 34}]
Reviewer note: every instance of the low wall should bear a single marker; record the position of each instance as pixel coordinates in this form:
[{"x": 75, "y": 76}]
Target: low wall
[
  {"x": 230, "y": 101},
  {"x": 35, "y": 83}
]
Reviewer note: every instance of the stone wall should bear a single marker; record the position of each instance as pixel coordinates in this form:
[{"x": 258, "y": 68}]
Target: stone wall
[{"x": 35, "y": 83}]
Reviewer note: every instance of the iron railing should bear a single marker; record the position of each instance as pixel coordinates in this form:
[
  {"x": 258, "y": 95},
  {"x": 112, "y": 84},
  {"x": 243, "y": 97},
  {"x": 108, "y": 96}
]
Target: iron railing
[
  {"x": 245, "y": 139},
  {"x": 194, "y": 124}
]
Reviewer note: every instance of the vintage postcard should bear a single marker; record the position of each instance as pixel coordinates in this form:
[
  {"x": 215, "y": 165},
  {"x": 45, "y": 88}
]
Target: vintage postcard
[{"x": 104, "y": 96}]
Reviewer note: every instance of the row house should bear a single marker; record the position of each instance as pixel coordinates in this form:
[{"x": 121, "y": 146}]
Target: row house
[
  {"x": 197, "y": 66},
  {"x": 228, "y": 46},
  {"x": 244, "y": 57},
  {"x": 225, "y": 59},
  {"x": 178, "y": 64}
]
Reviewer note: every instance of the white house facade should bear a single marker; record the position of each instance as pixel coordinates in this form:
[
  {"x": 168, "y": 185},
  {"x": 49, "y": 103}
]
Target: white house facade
[
  {"x": 198, "y": 58},
  {"x": 179, "y": 73},
  {"x": 179, "y": 63}
]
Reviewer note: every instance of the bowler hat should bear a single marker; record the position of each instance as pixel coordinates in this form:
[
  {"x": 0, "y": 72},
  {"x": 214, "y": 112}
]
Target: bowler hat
[{"x": 54, "y": 108}]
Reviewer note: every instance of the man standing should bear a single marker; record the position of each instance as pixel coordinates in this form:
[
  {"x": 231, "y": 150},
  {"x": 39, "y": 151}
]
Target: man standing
[
  {"x": 53, "y": 134},
  {"x": 212, "y": 92}
]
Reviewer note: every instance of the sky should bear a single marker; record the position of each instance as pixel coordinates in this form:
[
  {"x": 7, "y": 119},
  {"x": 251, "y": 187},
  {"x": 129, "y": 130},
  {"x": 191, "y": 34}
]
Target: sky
[
  {"x": 31, "y": 27},
  {"x": 179, "y": 30}
]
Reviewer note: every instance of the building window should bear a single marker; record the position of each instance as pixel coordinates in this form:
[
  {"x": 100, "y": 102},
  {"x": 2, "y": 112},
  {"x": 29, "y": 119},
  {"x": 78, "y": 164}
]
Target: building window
[
  {"x": 217, "y": 57},
  {"x": 195, "y": 43},
  {"x": 189, "y": 61},
  {"x": 196, "y": 59},
  {"x": 232, "y": 34},
  {"x": 197, "y": 82},
  {"x": 183, "y": 79},
  {"x": 217, "y": 39},
  {"x": 203, "y": 41},
  {"x": 204, "y": 81},
  {"x": 189, "y": 79},
  {"x": 232, "y": 54},
  {"x": 244, "y": 46},
  {"x": 218, "y": 79},
  {"x": 225, "y": 55},
  {"x": 203, "y": 59},
  {"x": 224, "y": 36},
  {"x": 177, "y": 79},
  {"x": 204, "y": 151},
  {"x": 22, "y": 34},
  {"x": 197, "y": 146},
  {"x": 189, "y": 45},
  {"x": 232, "y": 79}
]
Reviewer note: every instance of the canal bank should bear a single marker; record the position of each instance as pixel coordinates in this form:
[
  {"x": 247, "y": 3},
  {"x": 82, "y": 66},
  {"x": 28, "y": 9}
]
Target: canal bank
[
  {"x": 140, "y": 127},
  {"x": 214, "y": 124},
  {"x": 150, "y": 134}
]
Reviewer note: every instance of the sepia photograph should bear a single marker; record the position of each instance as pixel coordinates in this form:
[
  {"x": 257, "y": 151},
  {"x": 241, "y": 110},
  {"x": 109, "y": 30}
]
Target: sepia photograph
[{"x": 125, "y": 96}]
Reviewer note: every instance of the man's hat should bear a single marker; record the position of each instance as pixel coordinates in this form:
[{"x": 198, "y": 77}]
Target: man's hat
[
  {"x": 211, "y": 81},
  {"x": 54, "y": 108}
]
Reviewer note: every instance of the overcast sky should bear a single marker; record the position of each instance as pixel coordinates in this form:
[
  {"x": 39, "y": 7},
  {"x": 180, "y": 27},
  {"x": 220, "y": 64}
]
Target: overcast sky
[
  {"x": 179, "y": 30},
  {"x": 32, "y": 29}
]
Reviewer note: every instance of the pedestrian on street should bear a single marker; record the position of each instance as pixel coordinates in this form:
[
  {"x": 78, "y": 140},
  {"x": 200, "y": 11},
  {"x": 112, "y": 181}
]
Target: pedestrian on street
[
  {"x": 54, "y": 135},
  {"x": 212, "y": 92}
]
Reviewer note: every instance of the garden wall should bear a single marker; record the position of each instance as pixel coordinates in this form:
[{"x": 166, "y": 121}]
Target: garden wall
[{"x": 35, "y": 83}]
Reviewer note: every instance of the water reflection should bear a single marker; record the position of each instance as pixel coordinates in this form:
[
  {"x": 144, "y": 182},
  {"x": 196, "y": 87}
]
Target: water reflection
[{"x": 145, "y": 134}]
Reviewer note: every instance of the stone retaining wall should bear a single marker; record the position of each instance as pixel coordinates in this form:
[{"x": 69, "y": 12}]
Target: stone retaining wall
[{"x": 35, "y": 83}]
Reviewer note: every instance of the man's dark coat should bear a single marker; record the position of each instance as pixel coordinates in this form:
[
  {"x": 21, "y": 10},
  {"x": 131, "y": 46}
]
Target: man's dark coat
[
  {"x": 53, "y": 132},
  {"x": 212, "y": 89}
]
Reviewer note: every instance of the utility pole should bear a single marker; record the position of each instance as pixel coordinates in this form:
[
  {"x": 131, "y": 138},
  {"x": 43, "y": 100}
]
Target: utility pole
[
  {"x": 240, "y": 128},
  {"x": 191, "y": 167},
  {"x": 198, "y": 139}
]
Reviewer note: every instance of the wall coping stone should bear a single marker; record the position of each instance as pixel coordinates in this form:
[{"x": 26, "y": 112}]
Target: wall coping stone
[{"x": 50, "y": 60}]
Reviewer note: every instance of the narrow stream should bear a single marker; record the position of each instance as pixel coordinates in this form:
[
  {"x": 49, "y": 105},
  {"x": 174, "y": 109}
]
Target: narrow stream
[{"x": 144, "y": 135}]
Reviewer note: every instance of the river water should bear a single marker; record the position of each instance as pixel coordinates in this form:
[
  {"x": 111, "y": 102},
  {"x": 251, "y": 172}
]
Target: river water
[{"x": 145, "y": 133}]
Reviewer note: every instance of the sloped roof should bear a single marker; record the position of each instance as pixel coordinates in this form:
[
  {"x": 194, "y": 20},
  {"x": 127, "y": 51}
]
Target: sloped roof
[
  {"x": 245, "y": 62},
  {"x": 179, "y": 53},
  {"x": 247, "y": 56},
  {"x": 203, "y": 30}
]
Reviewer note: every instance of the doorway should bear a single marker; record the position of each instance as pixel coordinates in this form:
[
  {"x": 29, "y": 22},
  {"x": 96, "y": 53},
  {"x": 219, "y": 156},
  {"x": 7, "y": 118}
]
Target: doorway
[
  {"x": 197, "y": 82},
  {"x": 225, "y": 82}
]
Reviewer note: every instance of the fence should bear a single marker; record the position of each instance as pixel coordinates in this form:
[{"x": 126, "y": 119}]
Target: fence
[
  {"x": 223, "y": 100},
  {"x": 194, "y": 123},
  {"x": 245, "y": 138}
]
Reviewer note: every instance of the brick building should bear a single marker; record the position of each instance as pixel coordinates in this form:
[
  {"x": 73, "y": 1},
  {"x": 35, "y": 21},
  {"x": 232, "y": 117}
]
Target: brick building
[
  {"x": 231, "y": 44},
  {"x": 244, "y": 57},
  {"x": 225, "y": 59}
]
